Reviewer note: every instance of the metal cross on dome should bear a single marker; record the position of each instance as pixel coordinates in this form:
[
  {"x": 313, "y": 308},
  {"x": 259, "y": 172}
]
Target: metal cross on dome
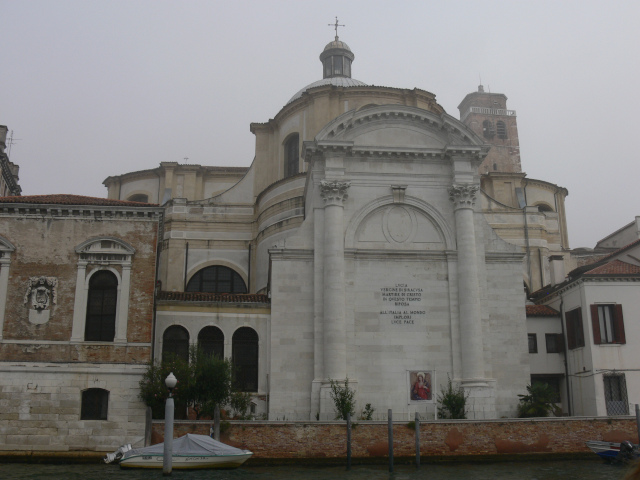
[{"x": 336, "y": 25}]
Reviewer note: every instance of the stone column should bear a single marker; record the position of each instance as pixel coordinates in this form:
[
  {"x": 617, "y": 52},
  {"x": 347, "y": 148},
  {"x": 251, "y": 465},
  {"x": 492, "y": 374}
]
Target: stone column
[
  {"x": 123, "y": 304},
  {"x": 335, "y": 342},
  {"x": 464, "y": 196},
  {"x": 80, "y": 305},
  {"x": 5, "y": 261}
]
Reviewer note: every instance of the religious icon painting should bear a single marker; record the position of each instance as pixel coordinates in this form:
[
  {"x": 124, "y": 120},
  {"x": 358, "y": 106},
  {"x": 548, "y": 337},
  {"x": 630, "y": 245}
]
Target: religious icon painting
[{"x": 420, "y": 385}]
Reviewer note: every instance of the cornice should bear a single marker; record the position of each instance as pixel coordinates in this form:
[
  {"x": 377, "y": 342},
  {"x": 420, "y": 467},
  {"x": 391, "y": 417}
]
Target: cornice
[
  {"x": 310, "y": 95},
  {"x": 87, "y": 212}
]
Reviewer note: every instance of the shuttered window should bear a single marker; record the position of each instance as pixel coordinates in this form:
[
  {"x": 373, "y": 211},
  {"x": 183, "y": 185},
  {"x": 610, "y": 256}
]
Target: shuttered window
[
  {"x": 575, "y": 332},
  {"x": 608, "y": 324}
]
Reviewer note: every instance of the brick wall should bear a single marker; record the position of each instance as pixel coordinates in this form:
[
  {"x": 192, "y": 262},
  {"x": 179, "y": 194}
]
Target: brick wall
[
  {"x": 443, "y": 438},
  {"x": 46, "y": 246}
]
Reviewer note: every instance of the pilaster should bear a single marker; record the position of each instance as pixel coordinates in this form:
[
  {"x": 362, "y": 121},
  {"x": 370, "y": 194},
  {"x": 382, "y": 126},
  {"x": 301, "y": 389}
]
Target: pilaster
[{"x": 334, "y": 194}]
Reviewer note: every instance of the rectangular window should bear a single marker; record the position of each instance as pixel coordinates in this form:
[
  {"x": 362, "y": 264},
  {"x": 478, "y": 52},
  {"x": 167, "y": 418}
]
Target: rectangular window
[
  {"x": 575, "y": 332},
  {"x": 555, "y": 343},
  {"x": 95, "y": 404},
  {"x": 553, "y": 381},
  {"x": 607, "y": 323},
  {"x": 533, "y": 343},
  {"x": 615, "y": 394}
]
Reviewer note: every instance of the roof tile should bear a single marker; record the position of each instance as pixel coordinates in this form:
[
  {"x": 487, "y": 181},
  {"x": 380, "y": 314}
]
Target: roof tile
[
  {"x": 541, "y": 311},
  {"x": 214, "y": 297},
  {"x": 64, "y": 199},
  {"x": 617, "y": 267}
]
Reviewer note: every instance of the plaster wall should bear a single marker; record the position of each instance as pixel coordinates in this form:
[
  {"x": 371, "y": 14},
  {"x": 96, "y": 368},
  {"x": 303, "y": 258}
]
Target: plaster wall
[{"x": 543, "y": 362}]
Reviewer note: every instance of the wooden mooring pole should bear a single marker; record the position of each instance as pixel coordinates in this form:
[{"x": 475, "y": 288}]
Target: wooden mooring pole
[
  {"x": 417, "y": 422},
  {"x": 389, "y": 415},
  {"x": 348, "y": 441},
  {"x": 638, "y": 420}
]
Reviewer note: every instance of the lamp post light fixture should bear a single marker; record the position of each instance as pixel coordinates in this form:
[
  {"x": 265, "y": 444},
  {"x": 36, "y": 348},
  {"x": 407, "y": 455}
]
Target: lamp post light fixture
[{"x": 170, "y": 382}]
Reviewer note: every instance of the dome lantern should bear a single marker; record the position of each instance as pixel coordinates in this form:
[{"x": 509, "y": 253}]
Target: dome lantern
[{"x": 336, "y": 57}]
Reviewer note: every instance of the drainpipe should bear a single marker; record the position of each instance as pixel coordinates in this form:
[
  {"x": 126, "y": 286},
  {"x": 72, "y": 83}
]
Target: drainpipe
[
  {"x": 249, "y": 271},
  {"x": 157, "y": 283},
  {"x": 526, "y": 237},
  {"x": 186, "y": 260}
]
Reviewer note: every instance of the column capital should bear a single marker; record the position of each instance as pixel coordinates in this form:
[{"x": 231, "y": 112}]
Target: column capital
[
  {"x": 334, "y": 193},
  {"x": 463, "y": 195}
]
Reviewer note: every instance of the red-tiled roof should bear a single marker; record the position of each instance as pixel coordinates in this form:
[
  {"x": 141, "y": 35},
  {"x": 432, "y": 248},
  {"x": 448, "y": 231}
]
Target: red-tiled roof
[
  {"x": 64, "y": 199},
  {"x": 616, "y": 267},
  {"x": 632, "y": 244},
  {"x": 541, "y": 311},
  {"x": 214, "y": 297}
]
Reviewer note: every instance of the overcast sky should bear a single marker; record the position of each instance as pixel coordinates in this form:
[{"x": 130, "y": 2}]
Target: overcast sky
[{"x": 98, "y": 88}]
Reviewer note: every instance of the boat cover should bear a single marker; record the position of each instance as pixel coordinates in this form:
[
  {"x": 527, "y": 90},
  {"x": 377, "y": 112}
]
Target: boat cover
[{"x": 189, "y": 445}]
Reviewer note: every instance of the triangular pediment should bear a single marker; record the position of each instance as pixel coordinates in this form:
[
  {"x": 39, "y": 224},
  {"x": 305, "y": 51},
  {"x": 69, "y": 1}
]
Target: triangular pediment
[{"x": 398, "y": 126}]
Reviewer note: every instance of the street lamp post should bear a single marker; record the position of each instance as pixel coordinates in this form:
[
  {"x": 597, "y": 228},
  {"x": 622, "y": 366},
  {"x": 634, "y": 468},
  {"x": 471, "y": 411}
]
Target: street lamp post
[{"x": 170, "y": 382}]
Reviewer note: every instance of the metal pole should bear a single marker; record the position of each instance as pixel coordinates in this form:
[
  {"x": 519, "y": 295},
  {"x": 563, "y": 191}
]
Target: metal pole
[
  {"x": 148, "y": 426},
  {"x": 216, "y": 423},
  {"x": 638, "y": 420},
  {"x": 168, "y": 437},
  {"x": 417, "y": 440},
  {"x": 348, "y": 441},
  {"x": 390, "y": 422}
]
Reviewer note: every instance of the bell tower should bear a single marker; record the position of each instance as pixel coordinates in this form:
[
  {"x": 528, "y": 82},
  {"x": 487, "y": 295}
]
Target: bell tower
[{"x": 487, "y": 115}]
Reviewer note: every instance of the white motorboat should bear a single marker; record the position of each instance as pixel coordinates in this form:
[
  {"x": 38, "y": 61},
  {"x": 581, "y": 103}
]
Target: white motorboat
[{"x": 189, "y": 452}]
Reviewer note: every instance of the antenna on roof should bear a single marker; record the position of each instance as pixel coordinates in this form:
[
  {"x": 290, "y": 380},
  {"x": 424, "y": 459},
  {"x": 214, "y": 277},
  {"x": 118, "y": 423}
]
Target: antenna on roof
[{"x": 11, "y": 141}]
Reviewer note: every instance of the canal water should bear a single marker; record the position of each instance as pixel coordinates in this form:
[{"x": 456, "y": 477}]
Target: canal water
[{"x": 555, "y": 470}]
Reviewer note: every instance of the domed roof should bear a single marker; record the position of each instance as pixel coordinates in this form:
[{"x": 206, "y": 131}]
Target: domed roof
[
  {"x": 335, "y": 81},
  {"x": 336, "y": 59},
  {"x": 337, "y": 44}
]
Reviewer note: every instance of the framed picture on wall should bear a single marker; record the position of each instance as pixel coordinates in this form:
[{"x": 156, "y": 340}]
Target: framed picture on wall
[{"x": 420, "y": 386}]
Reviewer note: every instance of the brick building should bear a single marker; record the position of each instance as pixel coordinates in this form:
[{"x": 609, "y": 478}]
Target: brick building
[{"x": 77, "y": 279}]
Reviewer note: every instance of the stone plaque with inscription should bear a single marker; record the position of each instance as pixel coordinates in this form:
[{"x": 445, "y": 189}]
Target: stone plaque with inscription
[{"x": 402, "y": 305}]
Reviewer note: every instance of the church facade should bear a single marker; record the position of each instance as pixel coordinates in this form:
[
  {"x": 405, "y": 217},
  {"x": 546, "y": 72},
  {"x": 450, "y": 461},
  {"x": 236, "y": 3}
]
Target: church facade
[{"x": 373, "y": 238}]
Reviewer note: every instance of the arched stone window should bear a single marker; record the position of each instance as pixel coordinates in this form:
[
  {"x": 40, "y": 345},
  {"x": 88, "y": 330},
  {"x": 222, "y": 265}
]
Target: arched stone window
[
  {"x": 502, "y": 129},
  {"x": 292, "y": 155},
  {"x": 175, "y": 343},
  {"x": 487, "y": 129},
  {"x": 211, "y": 341},
  {"x": 95, "y": 404},
  {"x": 102, "y": 301},
  {"x": 245, "y": 359},
  {"x": 139, "y": 197},
  {"x": 542, "y": 207},
  {"x": 102, "y": 254},
  {"x": 217, "y": 279}
]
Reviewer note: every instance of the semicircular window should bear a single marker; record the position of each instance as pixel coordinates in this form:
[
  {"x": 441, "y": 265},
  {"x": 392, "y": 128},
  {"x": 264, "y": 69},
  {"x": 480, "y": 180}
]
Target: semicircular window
[
  {"x": 175, "y": 343},
  {"x": 217, "y": 279},
  {"x": 211, "y": 341}
]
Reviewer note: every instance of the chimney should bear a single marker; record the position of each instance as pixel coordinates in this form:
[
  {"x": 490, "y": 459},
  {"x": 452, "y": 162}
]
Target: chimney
[{"x": 556, "y": 269}]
